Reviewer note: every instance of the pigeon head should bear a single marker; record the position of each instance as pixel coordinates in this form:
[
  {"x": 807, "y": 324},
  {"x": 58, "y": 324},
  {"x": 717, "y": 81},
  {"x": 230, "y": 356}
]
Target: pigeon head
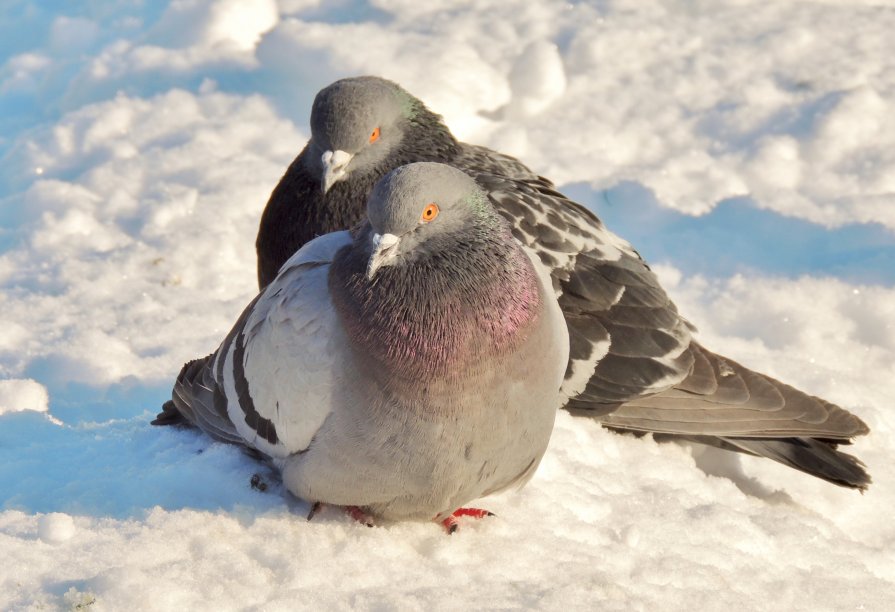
[
  {"x": 434, "y": 281},
  {"x": 356, "y": 123},
  {"x": 414, "y": 208}
]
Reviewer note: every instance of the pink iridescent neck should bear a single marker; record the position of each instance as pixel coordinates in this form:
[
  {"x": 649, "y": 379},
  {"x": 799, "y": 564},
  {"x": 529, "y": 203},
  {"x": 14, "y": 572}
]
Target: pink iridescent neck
[{"x": 447, "y": 329}]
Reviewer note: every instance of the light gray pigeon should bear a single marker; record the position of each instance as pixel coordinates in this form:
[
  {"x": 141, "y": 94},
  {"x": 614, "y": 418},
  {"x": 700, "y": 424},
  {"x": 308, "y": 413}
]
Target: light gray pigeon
[
  {"x": 634, "y": 364},
  {"x": 402, "y": 370}
]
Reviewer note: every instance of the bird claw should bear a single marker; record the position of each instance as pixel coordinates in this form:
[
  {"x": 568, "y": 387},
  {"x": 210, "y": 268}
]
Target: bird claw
[
  {"x": 353, "y": 511},
  {"x": 359, "y": 515},
  {"x": 452, "y": 524},
  {"x": 315, "y": 508}
]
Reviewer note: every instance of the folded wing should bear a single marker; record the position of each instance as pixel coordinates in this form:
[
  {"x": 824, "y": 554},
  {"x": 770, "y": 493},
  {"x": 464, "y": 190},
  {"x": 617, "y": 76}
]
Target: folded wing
[
  {"x": 633, "y": 362},
  {"x": 269, "y": 385}
]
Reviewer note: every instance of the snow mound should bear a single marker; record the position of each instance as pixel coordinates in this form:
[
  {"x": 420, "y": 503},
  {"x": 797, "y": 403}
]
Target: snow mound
[
  {"x": 23, "y": 394},
  {"x": 55, "y": 528},
  {"x": 537, "y": 79}
]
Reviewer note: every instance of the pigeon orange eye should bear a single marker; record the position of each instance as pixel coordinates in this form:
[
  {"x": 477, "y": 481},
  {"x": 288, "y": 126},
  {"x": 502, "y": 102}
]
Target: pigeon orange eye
[
  {"x": 429, "y": 212},
  {"x": 374, "y": 136}
]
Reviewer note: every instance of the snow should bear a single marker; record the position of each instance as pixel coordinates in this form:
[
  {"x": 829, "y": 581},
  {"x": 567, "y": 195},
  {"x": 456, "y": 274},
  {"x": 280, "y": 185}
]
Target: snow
[
  {"x": 55, "y": 527},
  {"x": 139, "y": 144},
  {"x": 537, "y": 79},
  {"x": 19, "y": 394}
]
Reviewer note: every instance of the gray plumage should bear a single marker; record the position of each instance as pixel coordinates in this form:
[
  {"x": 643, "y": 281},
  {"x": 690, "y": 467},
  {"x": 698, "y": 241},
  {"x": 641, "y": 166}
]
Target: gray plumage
[
  {"x": 634, "y": 363},
  {"x": 406, "y": 370}
]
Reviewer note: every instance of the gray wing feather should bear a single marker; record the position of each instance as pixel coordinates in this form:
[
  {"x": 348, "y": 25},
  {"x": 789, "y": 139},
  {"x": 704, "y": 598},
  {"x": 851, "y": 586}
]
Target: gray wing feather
[
  {"x": 486, "y": 160},
  {"x": 819, "y": 458},
  {"x": 282, "y": 344},
  {"x": 199, "y": 399},
  {"x": 814, "y": 457},
  {"x": 633, "y": 363},
  {"x": 723, "y": 398},
  {"x": 198, "y": 395}
]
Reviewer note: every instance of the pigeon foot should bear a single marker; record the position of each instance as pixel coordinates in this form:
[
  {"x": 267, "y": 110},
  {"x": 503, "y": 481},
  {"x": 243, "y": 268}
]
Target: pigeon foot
[
  {"x": 359, "y": 515},
  {"x": 353, "y": 511},
  {"x": 452, "y": 524}
]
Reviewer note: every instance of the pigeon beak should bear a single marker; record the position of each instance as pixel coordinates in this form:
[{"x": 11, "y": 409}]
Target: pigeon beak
[
  {"x": 334, "y": 167},
  {"x": 385, "y": 250}
]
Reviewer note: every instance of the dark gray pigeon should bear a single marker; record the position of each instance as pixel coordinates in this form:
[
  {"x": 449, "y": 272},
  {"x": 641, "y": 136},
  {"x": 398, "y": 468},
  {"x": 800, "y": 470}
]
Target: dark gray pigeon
[
  {"x": 634, "y": 364},
  {"x": 404, "y": 370}
]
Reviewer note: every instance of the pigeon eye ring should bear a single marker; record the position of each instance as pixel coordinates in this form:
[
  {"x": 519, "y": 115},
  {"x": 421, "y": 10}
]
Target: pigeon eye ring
[{"x": 429, "y": 212}]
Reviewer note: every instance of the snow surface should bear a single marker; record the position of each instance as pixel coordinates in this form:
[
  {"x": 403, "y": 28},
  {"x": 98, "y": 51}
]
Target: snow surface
[
  {"x": 18, "y": 394},
  {"x": 139, "y": 143}
]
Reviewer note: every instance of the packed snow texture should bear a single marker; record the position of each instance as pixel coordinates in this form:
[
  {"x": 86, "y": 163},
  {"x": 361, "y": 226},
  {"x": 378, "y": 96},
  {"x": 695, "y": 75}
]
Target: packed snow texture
[{"x": 139, "y": 144}]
